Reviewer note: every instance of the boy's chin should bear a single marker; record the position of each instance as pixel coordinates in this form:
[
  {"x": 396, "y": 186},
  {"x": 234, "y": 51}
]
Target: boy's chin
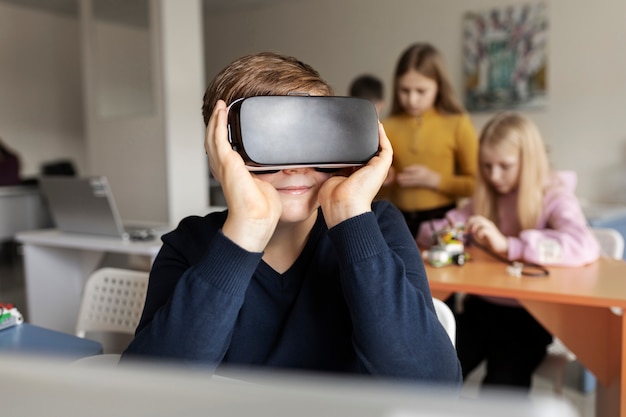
[{"x": 297, "y": 213}]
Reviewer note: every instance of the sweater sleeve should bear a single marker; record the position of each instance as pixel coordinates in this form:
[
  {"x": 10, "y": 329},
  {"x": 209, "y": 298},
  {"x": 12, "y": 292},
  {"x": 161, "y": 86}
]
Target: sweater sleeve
[
  {"x": 462, "y": 183},
  {"x": 563, "y": 240},
  {"x": 192, "y": 316},
  {"x": 395, "y": 328},
  {"x": 454, "y": 217}
]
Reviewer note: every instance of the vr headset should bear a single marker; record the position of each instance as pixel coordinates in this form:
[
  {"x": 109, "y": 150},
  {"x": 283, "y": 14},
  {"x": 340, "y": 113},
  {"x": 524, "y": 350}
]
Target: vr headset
[{"x": 295, "y": 131}]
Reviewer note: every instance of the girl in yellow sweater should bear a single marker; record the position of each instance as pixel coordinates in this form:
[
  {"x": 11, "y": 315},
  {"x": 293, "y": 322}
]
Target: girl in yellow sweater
[{"x": 434, "y": 141}]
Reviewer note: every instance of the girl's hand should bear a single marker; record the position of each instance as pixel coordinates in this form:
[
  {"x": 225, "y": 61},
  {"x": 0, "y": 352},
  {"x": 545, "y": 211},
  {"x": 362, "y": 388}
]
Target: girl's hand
[
  {"x": 486, "y": 233},
  {"x": 418, "y": 176},
  {"x": 343, "y": 197},
  {"x": 254, "y": 206}
]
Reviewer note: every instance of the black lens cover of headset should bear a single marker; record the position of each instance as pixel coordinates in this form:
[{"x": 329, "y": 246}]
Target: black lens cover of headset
[{"x": 303, "y": 131}]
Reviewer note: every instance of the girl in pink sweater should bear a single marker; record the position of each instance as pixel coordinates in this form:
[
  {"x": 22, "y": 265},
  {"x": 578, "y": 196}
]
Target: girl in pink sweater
[{"x": 522, "y": 211}]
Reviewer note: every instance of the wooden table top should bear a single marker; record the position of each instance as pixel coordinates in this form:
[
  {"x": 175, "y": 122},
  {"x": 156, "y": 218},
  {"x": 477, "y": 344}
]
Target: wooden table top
[{"x": 602, "y": 283}]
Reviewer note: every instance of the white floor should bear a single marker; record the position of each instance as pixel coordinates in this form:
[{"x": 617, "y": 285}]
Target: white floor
[{"x": 583, "y": 402}]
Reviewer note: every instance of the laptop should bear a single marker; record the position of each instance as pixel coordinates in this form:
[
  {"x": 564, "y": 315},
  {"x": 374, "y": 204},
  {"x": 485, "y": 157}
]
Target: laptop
[{"x": 86, "y": 205}]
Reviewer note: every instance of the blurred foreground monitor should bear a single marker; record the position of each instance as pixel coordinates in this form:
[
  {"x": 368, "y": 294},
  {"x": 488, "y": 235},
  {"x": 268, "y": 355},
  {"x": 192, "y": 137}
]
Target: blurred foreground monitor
[{"x": 34, "y": 386}]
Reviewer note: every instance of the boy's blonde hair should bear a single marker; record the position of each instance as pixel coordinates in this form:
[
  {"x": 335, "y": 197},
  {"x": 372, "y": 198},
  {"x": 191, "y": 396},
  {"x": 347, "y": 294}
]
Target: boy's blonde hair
[{"x": 514, "y": 129}]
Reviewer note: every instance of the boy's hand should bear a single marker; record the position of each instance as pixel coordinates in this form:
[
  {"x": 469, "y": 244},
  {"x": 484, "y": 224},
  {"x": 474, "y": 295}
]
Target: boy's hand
[
  {"x": 254, "y": 206},
  {"x": 343, "y": 197}
]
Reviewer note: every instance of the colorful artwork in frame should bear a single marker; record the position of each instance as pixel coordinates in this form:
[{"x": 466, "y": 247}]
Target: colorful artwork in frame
[{"x": 505, "y": 57}]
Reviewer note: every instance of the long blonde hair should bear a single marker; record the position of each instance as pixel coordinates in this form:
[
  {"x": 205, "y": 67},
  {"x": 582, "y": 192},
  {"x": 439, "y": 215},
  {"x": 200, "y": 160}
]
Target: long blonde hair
[{"x": 514, "y": 129}]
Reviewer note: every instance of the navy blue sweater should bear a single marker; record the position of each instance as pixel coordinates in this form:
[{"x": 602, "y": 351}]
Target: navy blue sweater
[{"x": 356, "y": 301}]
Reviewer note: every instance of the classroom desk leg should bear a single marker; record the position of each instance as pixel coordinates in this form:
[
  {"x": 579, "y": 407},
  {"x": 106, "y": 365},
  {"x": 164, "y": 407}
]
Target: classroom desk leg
[
  {"x": 596, "y": 335},
  {"x": 54, "y": 282}
]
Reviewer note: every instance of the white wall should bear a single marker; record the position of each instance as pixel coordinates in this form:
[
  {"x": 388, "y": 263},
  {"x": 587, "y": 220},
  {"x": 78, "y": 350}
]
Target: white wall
[
  {"x": 41, "y": 107},
  {"x": 124, "y": 68},
  {"x": 183, "y": 80},
  {"x": 154, "y": 159},
  {"x": 41, "y": 103},
  {"x": 57, "y": 101},
  {"x": 128, "y": 148},
  {"x": 584, "y": 123}
]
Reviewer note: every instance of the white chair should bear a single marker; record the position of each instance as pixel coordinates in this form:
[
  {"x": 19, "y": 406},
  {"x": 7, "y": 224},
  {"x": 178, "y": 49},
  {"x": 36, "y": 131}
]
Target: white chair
[
  {"x": 446, "y": 318},
  {"x": 558, "y": 355},
  {"x": 610, "y": 240},
  {"x": 112, "y": 302}
]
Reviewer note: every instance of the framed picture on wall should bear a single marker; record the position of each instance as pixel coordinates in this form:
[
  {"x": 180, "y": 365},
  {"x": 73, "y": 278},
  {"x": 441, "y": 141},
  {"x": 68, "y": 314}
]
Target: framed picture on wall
[{"x": 505, "y": 57}]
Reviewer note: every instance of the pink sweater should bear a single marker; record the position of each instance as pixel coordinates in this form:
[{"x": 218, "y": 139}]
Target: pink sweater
[{"x": 560, "y": 238}]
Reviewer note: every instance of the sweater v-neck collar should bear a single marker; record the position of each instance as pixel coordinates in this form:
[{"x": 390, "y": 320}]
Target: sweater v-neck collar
[{"x": 297, "y": 270}]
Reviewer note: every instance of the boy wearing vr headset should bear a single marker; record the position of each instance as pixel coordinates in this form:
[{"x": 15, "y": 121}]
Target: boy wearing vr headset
[{"x": 302, "y": 271}]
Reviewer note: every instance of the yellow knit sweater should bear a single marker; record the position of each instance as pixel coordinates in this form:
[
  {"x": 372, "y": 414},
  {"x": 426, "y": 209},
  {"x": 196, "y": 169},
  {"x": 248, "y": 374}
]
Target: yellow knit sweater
[{"x": 444, "y": 143}]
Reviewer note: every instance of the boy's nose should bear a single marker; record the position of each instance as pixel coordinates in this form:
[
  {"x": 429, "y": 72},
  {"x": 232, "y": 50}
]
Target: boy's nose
[{"x": 296, "y": 170}]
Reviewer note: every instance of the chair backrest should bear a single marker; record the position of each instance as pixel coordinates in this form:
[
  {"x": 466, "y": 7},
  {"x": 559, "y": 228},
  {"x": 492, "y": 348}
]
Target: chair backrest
[
  {"x": 446, "y": 318},
  {"x": 610, "y": 240},
  {"x": 112, "y": 301}
]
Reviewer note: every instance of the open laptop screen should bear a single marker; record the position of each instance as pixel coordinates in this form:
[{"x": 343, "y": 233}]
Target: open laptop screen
[{"x": 83, "y": 205}]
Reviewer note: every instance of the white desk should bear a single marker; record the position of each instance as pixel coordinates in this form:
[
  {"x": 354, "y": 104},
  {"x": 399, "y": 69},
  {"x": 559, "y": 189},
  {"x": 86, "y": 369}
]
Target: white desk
[
  {"x": 56, "y": 266},
  {"x": 21, "y": 208}
]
